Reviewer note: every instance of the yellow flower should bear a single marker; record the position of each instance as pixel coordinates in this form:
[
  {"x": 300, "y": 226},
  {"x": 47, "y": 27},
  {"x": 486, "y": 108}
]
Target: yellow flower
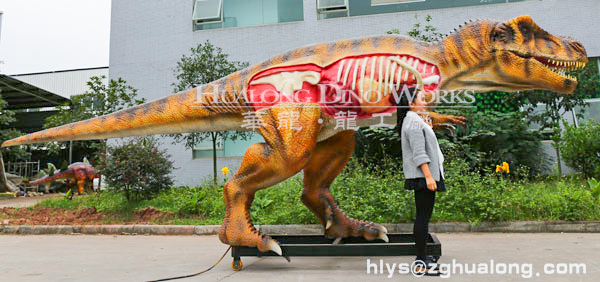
[
  {"x": 498, "y": 168},
  {"x": 225, "y": 170},
  {"x": 505, "y": 167}
]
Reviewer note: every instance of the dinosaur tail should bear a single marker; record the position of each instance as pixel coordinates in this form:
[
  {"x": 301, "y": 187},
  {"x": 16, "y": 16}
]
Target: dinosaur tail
[
  {"x": 45, "y": 179},
  {"x": 178, "y": 113}
]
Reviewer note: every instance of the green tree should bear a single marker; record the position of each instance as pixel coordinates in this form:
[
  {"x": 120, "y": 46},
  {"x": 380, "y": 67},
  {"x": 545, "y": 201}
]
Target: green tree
[
  {"x": 100, "y": 99},
  {"x": 205, "y": 64},
  {"x": 6, "y": 117}
]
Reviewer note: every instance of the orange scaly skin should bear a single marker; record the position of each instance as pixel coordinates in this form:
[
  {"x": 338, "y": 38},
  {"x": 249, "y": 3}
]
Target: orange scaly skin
[
  {"x": 481, "y": 56},
  {"x": 80, "y": 173}
]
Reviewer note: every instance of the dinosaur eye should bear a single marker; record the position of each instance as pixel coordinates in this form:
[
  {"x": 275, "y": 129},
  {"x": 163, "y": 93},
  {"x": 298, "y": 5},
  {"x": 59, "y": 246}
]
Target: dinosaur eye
[{"x": 496, "y": 36}]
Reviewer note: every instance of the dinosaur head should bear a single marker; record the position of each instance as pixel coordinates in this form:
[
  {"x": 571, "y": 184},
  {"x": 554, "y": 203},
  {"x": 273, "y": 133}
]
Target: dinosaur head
[{"x": 511, "y": 56}]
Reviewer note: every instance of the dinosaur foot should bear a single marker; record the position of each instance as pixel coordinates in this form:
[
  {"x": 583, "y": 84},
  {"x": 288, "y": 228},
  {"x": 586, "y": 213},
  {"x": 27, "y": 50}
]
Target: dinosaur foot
[
  {"x": 231, "y": 234},
  {"x": 350, "y": 227},
  {"x": 338, "y": 225}
]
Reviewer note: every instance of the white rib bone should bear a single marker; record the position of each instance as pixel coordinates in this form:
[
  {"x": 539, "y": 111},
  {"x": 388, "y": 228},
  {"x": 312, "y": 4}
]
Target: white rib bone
[
  {"x": 386, "y": 79},
  {"x": 398, "y": 78},
  {"x": 339, "y": 74},
  {"x": 416, "y": 64},
  {"x": 434, "y": 79},
  {"x": 412, "y": 70},
  {"x": 362, "y": 75},
  {"x": 409, "y": 63},
  {"x": 380, "y": 77},
  {"x": 373, "y": 61},
  {"x": 392, "y": 74},
  {"x": 348, "y": 69},
  {"x": 354, "y": 75}
]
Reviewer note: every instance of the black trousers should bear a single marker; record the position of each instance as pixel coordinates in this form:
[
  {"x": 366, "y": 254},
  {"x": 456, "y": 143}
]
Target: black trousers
[{"x": 424, "y": 201}]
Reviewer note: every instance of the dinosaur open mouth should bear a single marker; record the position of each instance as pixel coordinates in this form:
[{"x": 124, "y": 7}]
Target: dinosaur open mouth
[{"x": 561, "y": 67}]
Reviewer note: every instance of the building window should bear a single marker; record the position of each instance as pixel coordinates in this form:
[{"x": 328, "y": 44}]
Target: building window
[
  {"x": 204, "y": 148},
  {"x": 371, "y": 7},
  {"x": 212, "y": 14},
  {"x": 225, "y": 148},
  {"x": 208, "y": 11}
]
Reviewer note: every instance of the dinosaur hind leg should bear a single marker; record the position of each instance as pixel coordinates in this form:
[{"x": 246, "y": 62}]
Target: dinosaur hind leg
[
  {"x": 327, "y": 161},
  {"x": 80, "y": 186},
  {"x": 80, "y": 178},
  {"x": 285, "y": 153}
]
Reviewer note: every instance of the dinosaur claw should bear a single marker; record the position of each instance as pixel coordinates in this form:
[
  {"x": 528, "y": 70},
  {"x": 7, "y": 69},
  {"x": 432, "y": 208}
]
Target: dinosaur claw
[
  {"x": 337, "y": 241},
  {"x": 328, "y": 224},
  {"x": 384, "y": 237},
  {"x": 384, "y": 229},
  {"x": 274, "y": 247}
]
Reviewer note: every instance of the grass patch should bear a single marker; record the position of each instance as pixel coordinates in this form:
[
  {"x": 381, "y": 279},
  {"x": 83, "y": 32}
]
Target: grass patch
[{"x": 366, "y": 193}]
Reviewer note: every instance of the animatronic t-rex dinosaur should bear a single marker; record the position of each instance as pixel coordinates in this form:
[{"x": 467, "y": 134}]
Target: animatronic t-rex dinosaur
[
  {"x": 80, "y": 173},
  {"x": 303, "y": 85}
]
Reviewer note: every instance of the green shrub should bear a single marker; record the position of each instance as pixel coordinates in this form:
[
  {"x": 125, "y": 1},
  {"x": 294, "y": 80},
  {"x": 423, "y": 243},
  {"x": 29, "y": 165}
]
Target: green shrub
[
  {"x": 580, "y": 148},
  {"x": 137, "y": 168}
]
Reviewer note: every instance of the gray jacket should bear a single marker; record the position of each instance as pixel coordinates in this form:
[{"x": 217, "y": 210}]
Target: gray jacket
[{"x": 419, "y": 146}]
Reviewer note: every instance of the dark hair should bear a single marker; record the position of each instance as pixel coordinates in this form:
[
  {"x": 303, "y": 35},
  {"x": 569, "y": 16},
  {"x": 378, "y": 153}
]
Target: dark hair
[{"x": 402, "y": 107}]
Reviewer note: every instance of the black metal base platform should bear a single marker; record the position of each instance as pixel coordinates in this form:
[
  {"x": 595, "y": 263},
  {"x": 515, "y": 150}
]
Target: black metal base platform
[{"x": 400, "y": 244}]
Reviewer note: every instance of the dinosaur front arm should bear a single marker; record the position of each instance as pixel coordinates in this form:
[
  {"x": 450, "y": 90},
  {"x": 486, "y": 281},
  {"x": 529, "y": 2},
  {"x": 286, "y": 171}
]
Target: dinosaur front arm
[{"x": 442, "y": 121}]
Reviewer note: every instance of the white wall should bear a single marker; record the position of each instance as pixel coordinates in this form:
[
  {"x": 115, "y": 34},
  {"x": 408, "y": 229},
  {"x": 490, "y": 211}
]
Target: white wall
[{"x": 149, "y": 37}]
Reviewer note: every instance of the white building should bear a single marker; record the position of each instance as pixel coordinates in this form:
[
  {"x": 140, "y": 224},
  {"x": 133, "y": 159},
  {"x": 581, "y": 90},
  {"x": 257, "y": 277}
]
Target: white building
[
  {"x": 65, "y": 83},
  {"x": 149, "y": 37}
]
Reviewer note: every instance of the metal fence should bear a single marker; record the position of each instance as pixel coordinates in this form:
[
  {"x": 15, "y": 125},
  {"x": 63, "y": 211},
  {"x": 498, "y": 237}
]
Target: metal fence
[{"x": 23, "y": 169}]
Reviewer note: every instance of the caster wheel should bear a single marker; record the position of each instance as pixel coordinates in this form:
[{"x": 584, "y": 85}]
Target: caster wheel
[{"x": 237, "y": 265}]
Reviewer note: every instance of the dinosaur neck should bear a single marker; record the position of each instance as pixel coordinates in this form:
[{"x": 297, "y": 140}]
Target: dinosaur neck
[{"x": 463, "y": 53}]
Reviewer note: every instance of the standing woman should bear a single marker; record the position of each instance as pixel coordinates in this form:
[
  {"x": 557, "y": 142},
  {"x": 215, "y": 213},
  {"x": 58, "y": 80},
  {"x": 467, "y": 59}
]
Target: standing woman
[{"x": 422, "y": 164}]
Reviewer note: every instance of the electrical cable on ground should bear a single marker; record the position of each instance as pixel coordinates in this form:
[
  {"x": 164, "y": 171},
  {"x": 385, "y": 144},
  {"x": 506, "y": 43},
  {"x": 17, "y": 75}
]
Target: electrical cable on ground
[{"x": 195, "y": 274}]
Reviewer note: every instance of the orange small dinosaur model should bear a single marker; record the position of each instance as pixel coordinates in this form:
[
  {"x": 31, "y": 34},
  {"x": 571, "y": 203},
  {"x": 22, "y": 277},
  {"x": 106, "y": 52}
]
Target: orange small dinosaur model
[{"x": 79, "y": 173}]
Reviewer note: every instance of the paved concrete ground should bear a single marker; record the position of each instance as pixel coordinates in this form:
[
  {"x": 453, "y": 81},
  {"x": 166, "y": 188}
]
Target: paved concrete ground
[
  {"x": 140, "y": 258},
  {"x": 21, "y": 202}
]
